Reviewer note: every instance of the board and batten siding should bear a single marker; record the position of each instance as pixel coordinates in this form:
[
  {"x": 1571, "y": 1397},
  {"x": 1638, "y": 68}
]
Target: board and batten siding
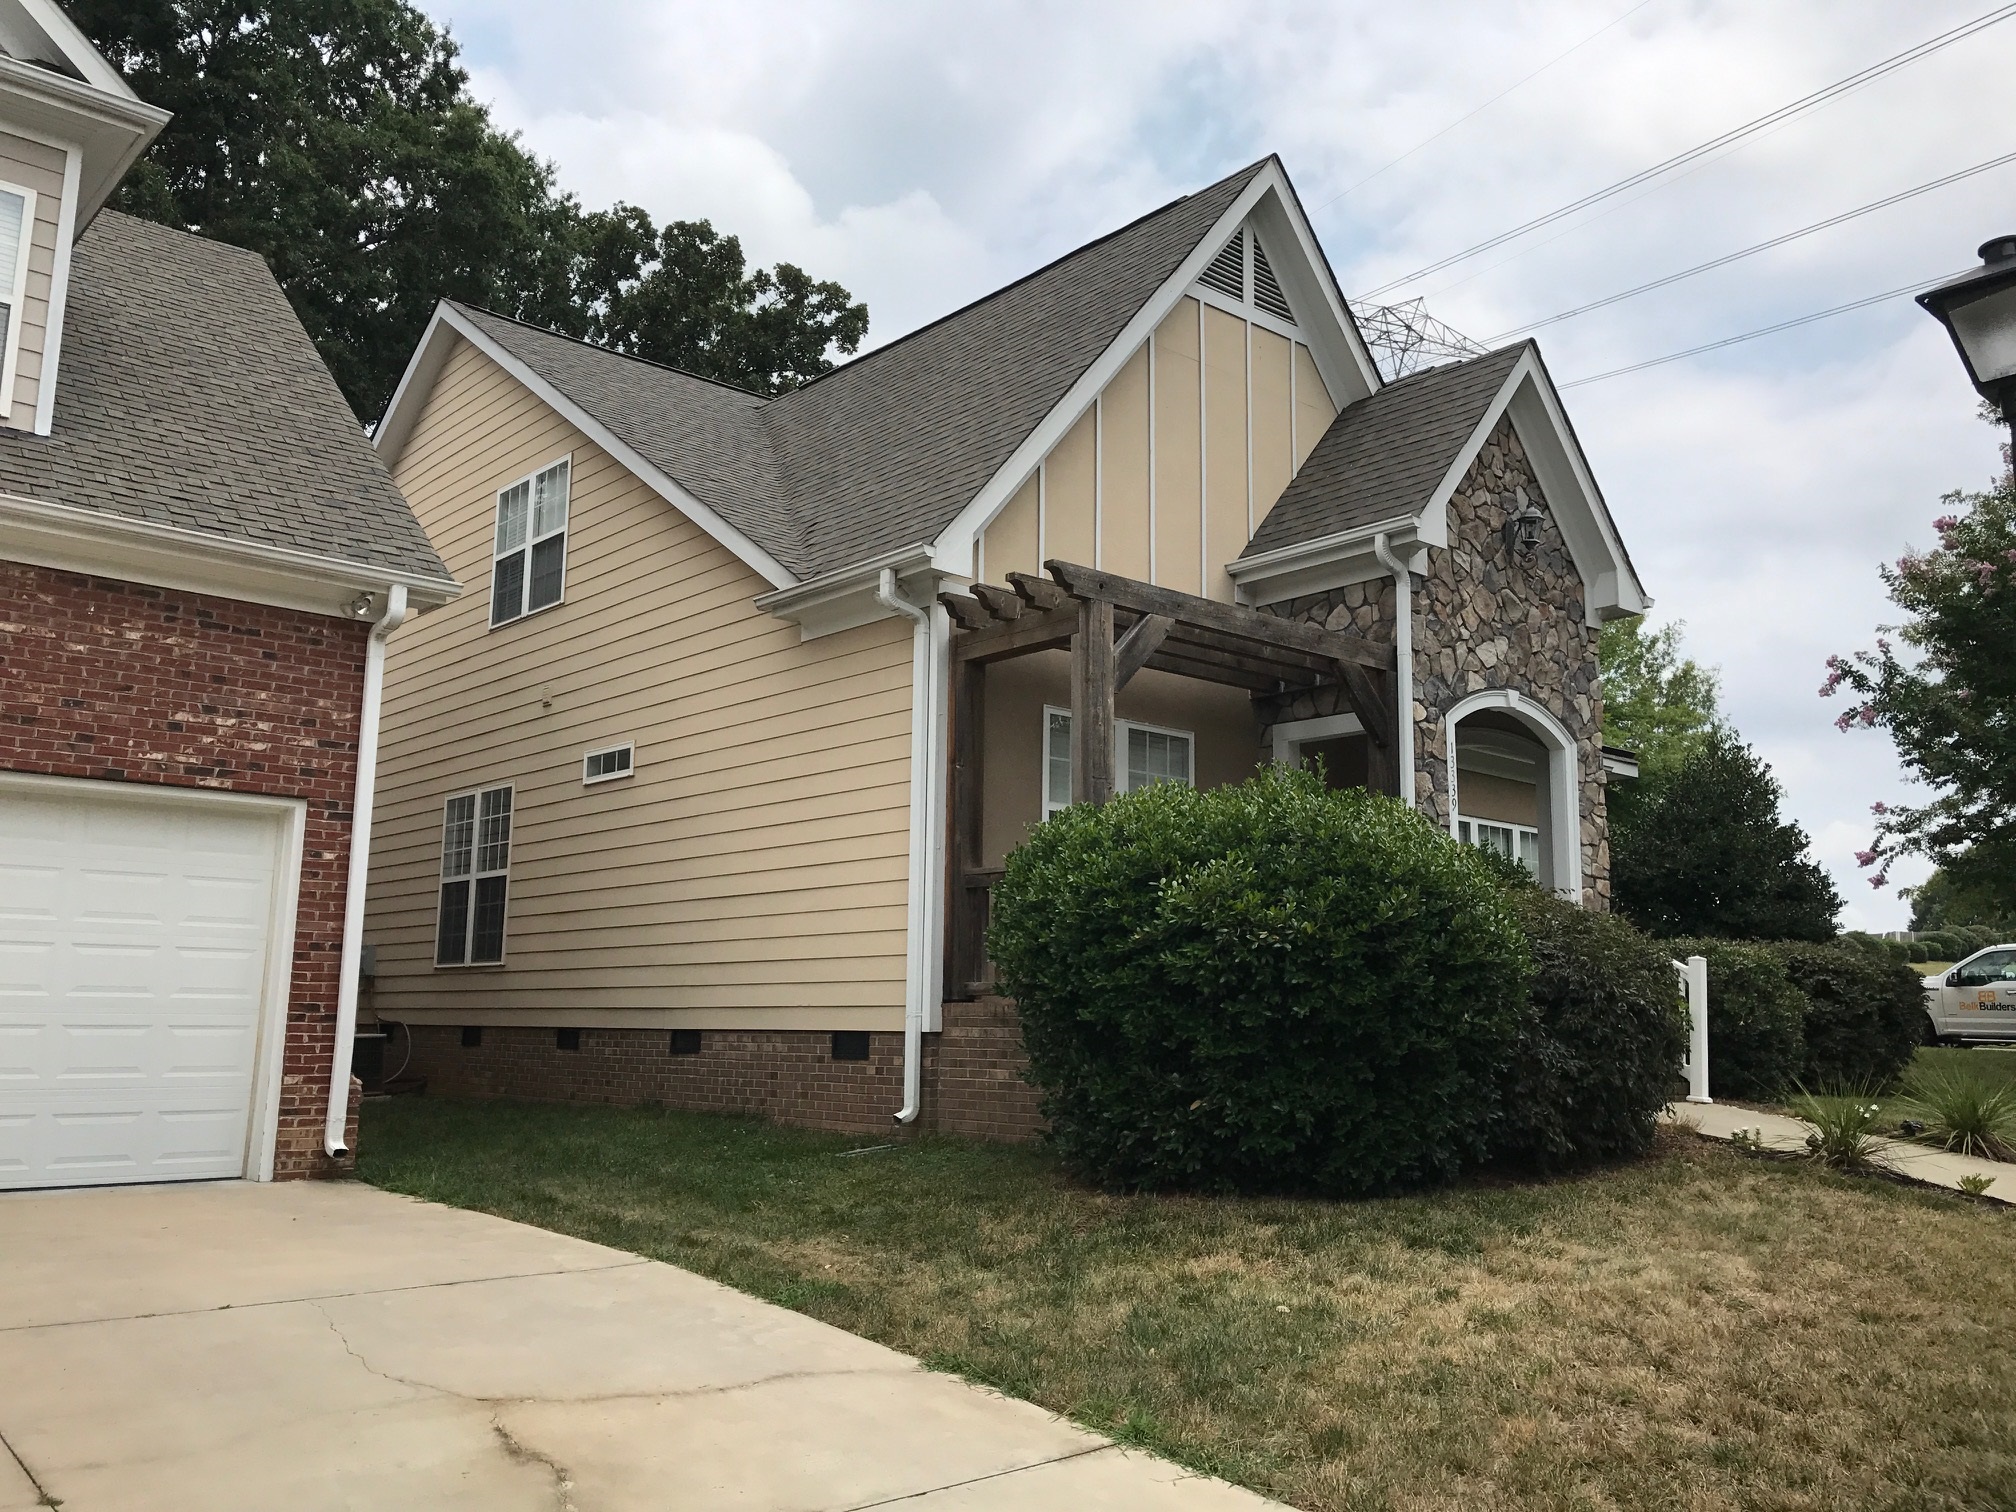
[
  {"x": 1172, "y": 468},
  {"x": 37, "y": 166},
  {"x": 751, "y": 874}
]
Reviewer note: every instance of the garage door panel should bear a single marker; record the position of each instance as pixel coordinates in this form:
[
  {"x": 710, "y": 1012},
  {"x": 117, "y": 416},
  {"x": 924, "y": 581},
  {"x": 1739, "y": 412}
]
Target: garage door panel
[{"x": 134, "y": 945}]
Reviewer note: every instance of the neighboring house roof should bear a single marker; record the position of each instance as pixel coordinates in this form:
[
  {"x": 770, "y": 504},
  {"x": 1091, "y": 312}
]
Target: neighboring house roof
[
  {"x": 885, "y": 451},
  {"x": 191, "y": 397},
  {"x": 1383, "y": 457}
]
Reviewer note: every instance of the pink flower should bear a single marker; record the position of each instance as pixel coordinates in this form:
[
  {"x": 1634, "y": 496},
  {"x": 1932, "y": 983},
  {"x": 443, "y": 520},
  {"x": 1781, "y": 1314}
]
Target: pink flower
[
  {"x": 1846, "y": 718},
  {"x": 1946, "y": 524},
  {"x": 1865, "y": 858},
  {"x": 1878, "y": 808},
  {"x": 1867, "y": 715}
]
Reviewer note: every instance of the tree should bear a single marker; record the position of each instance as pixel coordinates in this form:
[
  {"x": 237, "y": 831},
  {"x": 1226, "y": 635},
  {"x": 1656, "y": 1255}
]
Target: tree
[
  {"x": 338, "y": 139},
  {"x": 1939, "y": 903},
  {"x": 1707, "y": 853},
  {"x": 1656, "y": 702},
  {"x": 1951, "y": 707}
]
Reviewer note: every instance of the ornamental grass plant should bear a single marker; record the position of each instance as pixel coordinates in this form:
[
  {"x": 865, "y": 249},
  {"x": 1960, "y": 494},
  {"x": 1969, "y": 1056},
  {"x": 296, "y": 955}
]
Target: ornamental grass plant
[{"x": 1961, "y": 1110}]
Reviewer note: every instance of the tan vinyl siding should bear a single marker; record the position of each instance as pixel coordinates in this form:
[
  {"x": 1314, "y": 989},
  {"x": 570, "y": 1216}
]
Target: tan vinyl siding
[
  {"x": 1313, "y": 409},
  {"x": 1226, "y": 522},
  {"x": 37, "y": 166},
  {"x": 1123, "y": 469},
  {"x": 1012, "y": 543},
  {"x": 753, "y": 870},
  {"x": 1068, "y": 482},
  {"x": 1179, "y": 466}
]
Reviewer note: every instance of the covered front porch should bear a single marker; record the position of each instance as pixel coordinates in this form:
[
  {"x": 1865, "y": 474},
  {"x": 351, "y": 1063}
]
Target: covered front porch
[{"x": 1079, "y": 684}]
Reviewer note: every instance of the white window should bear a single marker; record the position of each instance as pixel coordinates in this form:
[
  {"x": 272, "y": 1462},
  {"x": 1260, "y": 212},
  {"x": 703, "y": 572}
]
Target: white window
[
  {"x": 1515, "y": 842},
  {"x": 17, "y": 226},
  {"x": 528, "y": 570},
  {"x": 475, "y": 864},
  {"x": 609, "y": 763},
  {"x": 1147, "y": 755}
]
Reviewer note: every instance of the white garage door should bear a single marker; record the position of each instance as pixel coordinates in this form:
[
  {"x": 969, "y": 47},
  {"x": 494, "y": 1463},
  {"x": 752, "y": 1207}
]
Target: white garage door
[{"x": 135, "y": 933}]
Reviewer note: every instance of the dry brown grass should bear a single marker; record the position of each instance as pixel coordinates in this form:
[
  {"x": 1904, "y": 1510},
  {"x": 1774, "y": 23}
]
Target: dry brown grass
[{"x": 1700, "y": 1330}]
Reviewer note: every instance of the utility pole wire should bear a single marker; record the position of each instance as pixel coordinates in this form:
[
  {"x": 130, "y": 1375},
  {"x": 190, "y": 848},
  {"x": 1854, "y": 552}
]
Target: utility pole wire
[
  {"x": 1763, "y": 246},
  {"x": 1430, "y": 141},
  {"x": 1770, "y": 330},
  {"x": 1799, "y": 106}
]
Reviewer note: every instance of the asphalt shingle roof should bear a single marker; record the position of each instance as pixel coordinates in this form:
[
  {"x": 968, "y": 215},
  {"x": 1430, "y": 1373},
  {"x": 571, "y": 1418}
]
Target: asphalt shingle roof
[
  {"x": 1382, "y": 456},
  {"x": 189, "y": 395}
]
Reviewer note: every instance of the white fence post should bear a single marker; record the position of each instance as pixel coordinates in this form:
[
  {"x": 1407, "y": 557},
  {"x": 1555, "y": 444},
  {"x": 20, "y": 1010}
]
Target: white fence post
[{"x": 1693, "y": 974}]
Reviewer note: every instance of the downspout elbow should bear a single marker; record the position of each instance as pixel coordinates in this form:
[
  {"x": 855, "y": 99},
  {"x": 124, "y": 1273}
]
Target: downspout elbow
[
  {"x": 335, "y": 1132},
  {"x": 917, "y": 977},
  {"x": 1403, "y": 654}
]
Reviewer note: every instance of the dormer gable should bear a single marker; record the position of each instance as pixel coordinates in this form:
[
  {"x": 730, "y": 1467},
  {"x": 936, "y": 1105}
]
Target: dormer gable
[{"x": 70, "y": 127}]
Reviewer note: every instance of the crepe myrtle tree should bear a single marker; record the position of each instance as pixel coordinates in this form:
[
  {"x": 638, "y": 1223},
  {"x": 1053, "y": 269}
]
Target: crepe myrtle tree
[{"x": 1947, "y": 696}]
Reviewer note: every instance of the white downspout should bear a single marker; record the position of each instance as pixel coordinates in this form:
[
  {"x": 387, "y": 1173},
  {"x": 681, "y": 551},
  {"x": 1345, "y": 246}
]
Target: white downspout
[
  {"x": 917, "y": 966},
  {"x": 1403, "y": 651},
  {"x": 334, "y": 1127}
]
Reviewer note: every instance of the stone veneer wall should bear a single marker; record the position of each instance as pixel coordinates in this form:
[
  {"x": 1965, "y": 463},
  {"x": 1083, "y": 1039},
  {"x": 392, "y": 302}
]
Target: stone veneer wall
[{"x": 1483, "y": 618}]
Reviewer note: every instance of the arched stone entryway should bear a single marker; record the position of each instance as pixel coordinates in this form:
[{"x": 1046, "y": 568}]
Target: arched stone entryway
[{"x": 1520, "y": 764}]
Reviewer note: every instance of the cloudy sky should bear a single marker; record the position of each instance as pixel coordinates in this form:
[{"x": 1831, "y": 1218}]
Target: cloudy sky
[{"x": 924, "y": 153}]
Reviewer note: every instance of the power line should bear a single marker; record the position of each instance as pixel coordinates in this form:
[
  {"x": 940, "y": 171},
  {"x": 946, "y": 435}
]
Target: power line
[
  {"x": 1770, "y": 330},
  {"x": 1799, "y": 106},
  {"x": 1763, "y": 246},
  {"x": 1430, "y": 141}
]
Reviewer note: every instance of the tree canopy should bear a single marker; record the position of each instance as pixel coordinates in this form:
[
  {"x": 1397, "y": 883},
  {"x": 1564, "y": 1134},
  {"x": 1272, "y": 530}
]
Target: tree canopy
[
  {"x": 1948, "y": 696},
  {"x": 1657, "y": 702},
  {"x": 338, "y": 139},
  {"x": 1939, "y": 903},
  {"x": 1707, "y": 853}
]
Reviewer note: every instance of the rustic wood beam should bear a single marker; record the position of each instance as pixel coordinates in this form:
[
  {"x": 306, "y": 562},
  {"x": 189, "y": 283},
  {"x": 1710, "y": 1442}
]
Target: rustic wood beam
[
  {"x": 1369, "y": 702},
  {"x": 1208, "y": 614},
  {"x": 1092, "y": 687},
  {"x": 968, "y": 613},
  {"x": 998, "y": 602},
  {"x": 1038, "y": 592},
  {"x": 1292, "y": 664},
  {"x": 1032, "y": 632},
  {"x": 1220, "y": 672},
  {"x": 1137, "y": 645}
]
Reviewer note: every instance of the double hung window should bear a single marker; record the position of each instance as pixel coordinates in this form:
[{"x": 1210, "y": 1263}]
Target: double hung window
[
  {"x": 17, "y": 225},
  {"x": 528, "y": 570},
  {"x": 1148, "y": 755},
  {"x": 1515, "y": 842},
  {"x": 475, "y": 871}
]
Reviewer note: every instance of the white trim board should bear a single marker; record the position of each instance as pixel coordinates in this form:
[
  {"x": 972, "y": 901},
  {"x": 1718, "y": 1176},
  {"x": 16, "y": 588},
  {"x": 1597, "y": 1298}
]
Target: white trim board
[
  {"x": 1560, "y": 795},
  {"x": 91, "y": 541},
  {"x": 417, "y": 383}
]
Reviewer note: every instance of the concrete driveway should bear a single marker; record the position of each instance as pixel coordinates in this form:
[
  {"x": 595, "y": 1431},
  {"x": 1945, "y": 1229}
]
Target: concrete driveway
[{"x": 317, "y": 1346}]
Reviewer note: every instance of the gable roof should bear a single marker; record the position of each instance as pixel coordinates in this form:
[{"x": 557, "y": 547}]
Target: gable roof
[
  {"x": 883, "y": 452},
  {"x": 1382, "y": 457},
  {"x": 192, "y": 398}
]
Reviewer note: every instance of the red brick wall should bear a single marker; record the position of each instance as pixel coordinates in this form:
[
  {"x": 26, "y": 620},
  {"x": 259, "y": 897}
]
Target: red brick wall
[
  {"x": 122, "y": 682},
  {"x": 972, "y": 1073}
]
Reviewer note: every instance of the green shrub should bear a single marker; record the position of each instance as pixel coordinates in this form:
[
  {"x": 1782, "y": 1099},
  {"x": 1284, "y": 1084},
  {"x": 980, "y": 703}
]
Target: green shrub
[
  {"x": 1600, "y": 1044},
  {"x": 1900, "y": 950},
  {"x": 1863, "y": 1020},
  {"x": 1267, "y": 986},
  {"x": 1920, "y": 951},
  {"x": 1756, "y": 1035}
]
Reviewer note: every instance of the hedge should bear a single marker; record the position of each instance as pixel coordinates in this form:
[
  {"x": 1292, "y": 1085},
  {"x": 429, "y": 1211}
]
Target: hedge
[
  {"x": 1863, "y": 1019},
  {"x": 1268, "y": 986},
  {"x": 1756, "y": 1018}
]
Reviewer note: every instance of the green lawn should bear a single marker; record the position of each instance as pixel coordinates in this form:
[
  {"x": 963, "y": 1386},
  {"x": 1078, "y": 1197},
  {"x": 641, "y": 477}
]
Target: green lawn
[{"x": 1701, "y": 1330}]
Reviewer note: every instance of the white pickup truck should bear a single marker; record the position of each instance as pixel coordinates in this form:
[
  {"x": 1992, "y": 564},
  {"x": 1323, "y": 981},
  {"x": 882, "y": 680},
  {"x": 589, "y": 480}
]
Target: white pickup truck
[{"x": 1975, "y": 999}]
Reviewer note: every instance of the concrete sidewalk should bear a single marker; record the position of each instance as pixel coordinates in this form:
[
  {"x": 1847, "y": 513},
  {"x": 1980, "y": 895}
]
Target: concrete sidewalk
[
  {"x": 1779, "y": 1131},
  {"x": 321, "y": 1346}
]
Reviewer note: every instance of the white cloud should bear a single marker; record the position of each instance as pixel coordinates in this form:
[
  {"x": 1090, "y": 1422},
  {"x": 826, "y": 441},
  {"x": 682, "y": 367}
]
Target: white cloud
[{"x": 925, "y": 152}]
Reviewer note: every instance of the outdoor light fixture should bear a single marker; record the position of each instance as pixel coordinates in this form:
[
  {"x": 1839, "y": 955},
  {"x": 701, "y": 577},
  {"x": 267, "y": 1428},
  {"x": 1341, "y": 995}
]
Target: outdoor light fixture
[
  {"x": 1522, "y": 530},
  {"x": 361, "y": 606},
  {"x": 1978, "y": 310}
]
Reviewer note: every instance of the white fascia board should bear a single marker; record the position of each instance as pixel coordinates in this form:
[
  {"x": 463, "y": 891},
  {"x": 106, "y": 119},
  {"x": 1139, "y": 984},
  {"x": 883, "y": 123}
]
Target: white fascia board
[
  {"x": 954, "y": 546},
  {"x": 844, "y": 599},
  {"x": 70, "y": 539},
  {"x": 59, "y": 292},
  {"x": 1332, "y": 561},
  {"x": 418, "y": 381},
  {"x": 112, "y": 129},
  {"x": 1340, "y": 351}
]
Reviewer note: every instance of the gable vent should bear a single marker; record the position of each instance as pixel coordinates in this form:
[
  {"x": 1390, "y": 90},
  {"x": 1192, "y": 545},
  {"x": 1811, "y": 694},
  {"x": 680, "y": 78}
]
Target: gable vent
[
  {"x": 1267, "y": 293},
  {"x": 1227, "y": 271}
]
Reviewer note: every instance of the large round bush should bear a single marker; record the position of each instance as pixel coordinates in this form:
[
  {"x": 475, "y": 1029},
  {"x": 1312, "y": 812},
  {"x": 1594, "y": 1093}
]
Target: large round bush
[
  {"x": 1600, "y": 1043},
  {"x": 1268, "y": 986},
  {"x": 1863, "y": 1018},
  {"x": 1756, "y": 1019}
]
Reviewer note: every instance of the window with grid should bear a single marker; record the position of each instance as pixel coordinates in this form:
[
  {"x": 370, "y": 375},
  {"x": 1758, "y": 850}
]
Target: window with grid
[
  {"x": 1515, "y": 842},
  {"x": 17, "y": 220},
  {"x": 1149, "y": 755},
  {"x": 475, "y": 867},
  {"x": 528, "y": 571}
]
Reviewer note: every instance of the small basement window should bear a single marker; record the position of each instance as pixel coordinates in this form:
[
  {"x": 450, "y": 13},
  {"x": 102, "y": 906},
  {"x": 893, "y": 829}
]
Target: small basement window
[
  {"x": 850, "y": 1044},
  {"x": 566, "y": 1039},
  {"x": 609, "y": 763},
  {"x": 685, "y": 1042},
  {"x": 472, "y": 1036}
]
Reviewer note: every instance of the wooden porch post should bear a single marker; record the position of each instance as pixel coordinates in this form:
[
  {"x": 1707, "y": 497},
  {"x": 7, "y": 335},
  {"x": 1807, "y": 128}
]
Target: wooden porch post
[
  {"x": 966, "y": 938},
  {"x": 1382, "y": 750},
  {"x": 1092, "y": 687}
]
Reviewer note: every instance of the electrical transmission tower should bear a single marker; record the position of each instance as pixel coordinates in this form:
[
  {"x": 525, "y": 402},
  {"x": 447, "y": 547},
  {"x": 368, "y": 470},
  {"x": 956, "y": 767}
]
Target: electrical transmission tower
[{"x": 1405, "y": 338}]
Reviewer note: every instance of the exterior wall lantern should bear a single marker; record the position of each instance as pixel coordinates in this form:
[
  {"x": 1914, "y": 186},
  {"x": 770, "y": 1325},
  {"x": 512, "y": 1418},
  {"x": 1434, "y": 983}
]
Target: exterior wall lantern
[
  {"x": 1522, "y": 529},
  {"x": 1978, "y": 310}
]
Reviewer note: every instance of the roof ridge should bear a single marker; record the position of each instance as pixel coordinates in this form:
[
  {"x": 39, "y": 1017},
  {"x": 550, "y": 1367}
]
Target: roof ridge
[
  {"x": 609, "y": 351},
  {"x": 973, "y": 304}
]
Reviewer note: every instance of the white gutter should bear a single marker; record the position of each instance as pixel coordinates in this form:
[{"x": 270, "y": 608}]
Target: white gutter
[
  {"x": 917, "y": 967},
  {"x": 334, "y": 1126},
  {"x": 1403, "y": 652}
]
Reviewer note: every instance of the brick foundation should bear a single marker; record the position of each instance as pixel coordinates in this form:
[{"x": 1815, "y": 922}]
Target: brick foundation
[
  {"x": 972, "y": 1073},
  {"x": 120, "y": 682}
]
